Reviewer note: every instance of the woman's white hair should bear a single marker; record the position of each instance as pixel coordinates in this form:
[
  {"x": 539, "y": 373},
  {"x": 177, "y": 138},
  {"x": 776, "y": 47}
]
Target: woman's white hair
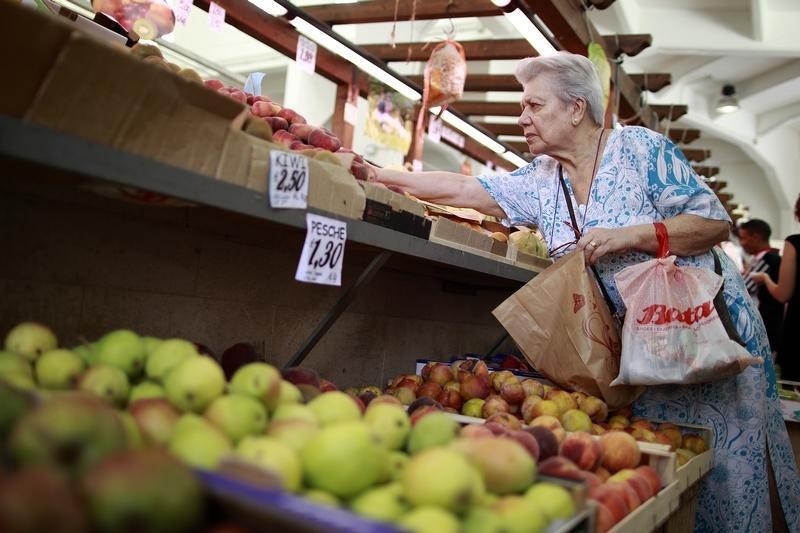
[{"x": 574, "y": 75}]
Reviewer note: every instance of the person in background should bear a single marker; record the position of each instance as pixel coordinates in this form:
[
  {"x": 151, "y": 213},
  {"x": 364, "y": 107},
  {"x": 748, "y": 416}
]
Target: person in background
[
  {"x": 620, "y": 183},
  {"x": 786, "y": 291},
  {"x": 754, "y": 238}
]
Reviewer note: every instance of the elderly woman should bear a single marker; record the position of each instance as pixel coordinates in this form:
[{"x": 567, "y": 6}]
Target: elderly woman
[{"x": 619, "y": 183}]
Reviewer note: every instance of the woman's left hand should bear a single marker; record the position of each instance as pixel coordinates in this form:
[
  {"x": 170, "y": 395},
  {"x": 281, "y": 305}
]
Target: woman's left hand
[{"x": 597, "y": 242}]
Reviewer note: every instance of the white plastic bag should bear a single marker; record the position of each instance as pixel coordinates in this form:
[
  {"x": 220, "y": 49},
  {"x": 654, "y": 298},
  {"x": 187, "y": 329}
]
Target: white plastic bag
[{"x": 672, "y": 332}]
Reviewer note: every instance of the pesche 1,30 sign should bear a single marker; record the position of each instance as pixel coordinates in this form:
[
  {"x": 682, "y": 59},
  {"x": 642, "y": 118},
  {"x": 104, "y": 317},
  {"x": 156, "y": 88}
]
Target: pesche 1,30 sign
[
  {"x": 288, "y": 180},
  {"x": 323, "y": 251}
]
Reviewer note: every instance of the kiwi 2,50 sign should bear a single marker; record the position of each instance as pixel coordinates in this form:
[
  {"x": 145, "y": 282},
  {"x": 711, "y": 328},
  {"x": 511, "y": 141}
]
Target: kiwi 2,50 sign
[
  {"x": 323, "y": 251},
  {"x": 288, "y": 180}
]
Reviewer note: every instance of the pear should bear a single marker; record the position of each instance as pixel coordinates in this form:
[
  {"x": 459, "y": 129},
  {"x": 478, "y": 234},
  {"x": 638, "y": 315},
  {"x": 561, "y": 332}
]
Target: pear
[
  {"x": 430, "y": 519},
  {"x": 108, "y": 382},
  {"x": 294, "y": 411},
  {"x": 11, "y": 363},
  {"x": 433, "y": 429},
  {"x": 334, "y": 406},
  {"x": 198, "y": 442},
  {"x": 275, "y": 457},
  {"x": 520, "y": 515},
  {"x": 289, "y": 394},
  {"x": 166, "y": 355},
  {"x": 237, "y": 415},
  {"x": 295, "y": 433},
  {"x": 385, "y": 503},
  {"x": 193, "y": 384},
  {"x": 482, "y": 520},
  {"x": 259, "y": 380},
  {"x": 58, "y": 369},
  {"x": 389, "y": 423},
  {"x": 150, "y": 344},
  {"x": 30, "y": 340},
  {"x": 85, "y": 352},
  {"x": 146, "y": 389},
  {"x": 322, "y": 497},
  {"x": 123, "y": 349},
  {"x": 156, "y": 419},
  {"x": 440, "y": 477}
]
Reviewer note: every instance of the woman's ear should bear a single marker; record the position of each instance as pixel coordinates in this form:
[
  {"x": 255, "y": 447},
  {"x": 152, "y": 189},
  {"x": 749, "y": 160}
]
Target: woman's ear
[{"x": 577, "y": 111}]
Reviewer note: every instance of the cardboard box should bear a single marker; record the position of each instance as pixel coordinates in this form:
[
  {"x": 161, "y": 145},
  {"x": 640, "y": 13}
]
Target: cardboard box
[
  {"x": 71, "y": 82},
  {"x": 396, "y": 201},
  {"x": 527, "y": 261},
  {"x": 449, "y": 233}
]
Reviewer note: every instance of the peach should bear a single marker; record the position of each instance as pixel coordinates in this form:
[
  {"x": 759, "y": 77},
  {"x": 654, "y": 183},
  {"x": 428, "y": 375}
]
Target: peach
[
  {"x": 451, "y": 398},
  {"x": 283, "y": 137},
  {"x": 637, "y": 481},
  {"x": 618, "y": 450},
  {"x": 626, "y": 411},
  {"x": 527, "y": 407},
  {"x": 404, "y": 394},
  {"x": 475, "y": 431},
  {"x": 581, "y": 449},
  {"x": 441, "y": 373},
  {"x": 407, "y": 377},
  {"x": 642, "y": 423},
  {"x": 611, "y": 499},
  {"x": 482, "y": 371},
  {"x": 494, "y": 404},
  {"x": 562, "y": 398},
  {"x": 562, "y": 467},
  {"x": 302, "y": 131},
  {"x": 576, "y": 420},
  {"x": 625, "y": 491},
  {"x": 384, "y": 398},
  {"x": 545, "y": 407},
  {"x": 431, "y": 389},
  {"x": 683, "y": 456},
  {"x": 597, "y": 429},
  {"x": 618, "y": 422},
  {"x": 695, "y": 443},
  {"x": 649, "y": 473},
  {"x": 595, "y": 408},
  {"x": 527, "y": 441},
  {"x": 602, "y": 473},
  {"x": 532, "y": 387},
  {"x": 578, "y": 396},
  {"x": 512, "y": 392},
  {"x": 641, "y": 434},
  {"x": 604, "y": 519},
  {"x": 420, "y": 413},
  {"x": 300, "y": 375},
  {"x": 672, "y": 432},
  {"x": 548, "y": 443},
  {"x": 474, "y": 386},
  {"x": 407, "y": 383},
  {"x": 360, "y": 171},
  {"x": 276, "y": 123},
  {"x": 300, "y": 146},
  {"x": 505, "y": 419},
  {"x": 424, "y": 401},
  {"x": 662, "y": 438},
  {"x": 292, "y": 116},
  {"x": 498, "y": 378},
  {"x": 497, "y": 429},
  {"x": 591, "y": 479},
  {"x": 326, "y": 385},
  {"x": 452, "y": 385},
  {"x": 324, "y": 140},
  {"x": 426, "y": 370}
]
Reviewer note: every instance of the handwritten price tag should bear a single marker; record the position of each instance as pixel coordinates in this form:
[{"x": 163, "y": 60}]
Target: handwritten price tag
[
  {"x": 306, "y": 54},
  {"x": 435, "y": 130},
  {"x": 323, "y": 251},
  {"x": 182, "y": 10},
  {"x": 216, "y": 17},
  {"x": 288, "y": 180}
]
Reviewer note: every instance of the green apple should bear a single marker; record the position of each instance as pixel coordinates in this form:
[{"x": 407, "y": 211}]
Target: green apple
[
  {"x": 520, "y": 515},
  {"x": 58, "y": 369},
  {"x": 322, "y": 497},
  {"x": 85, "y": 352},
  {"x": 150, "y": 344},
  {"x": 481, "y": 520},
  {"x": 146, "y": 389},
  {"x": 30, "y": 340},
  {"x": 430, "y": 519},
  {"x": 11, "y": 363},
  {"x": 433, "y": 429},
  {"x": 237, "y": 415},
  {"x": 123, "y": 349},
  {"x": 156, "y": 418},
  {"x": 385, "y": 503},
  {"x": 289, "y": 393},
  {"x": 294, "y": 411},
  {"x": 259, "y": 380},
  {"x": 343, "y": 459},
  {"x": 108, "y": 382},
  {"x": 553, "y": 500},
  {"x": 389, "y": 423},
  {"x": 397, "y": 462},
  {"x": 334, "y": 406},
  {"x": 167, "y": 355},
  {"x": 193, "y": 384},
  {"x": 295, "y": 433},
  {"x": 198, "y": 442},
  {"x": 441, "y": 477},
  {"x": 275, "y": 457}
]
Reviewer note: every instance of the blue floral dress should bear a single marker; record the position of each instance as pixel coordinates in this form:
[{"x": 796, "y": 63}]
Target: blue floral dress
[{"x": 643, "y": 178}]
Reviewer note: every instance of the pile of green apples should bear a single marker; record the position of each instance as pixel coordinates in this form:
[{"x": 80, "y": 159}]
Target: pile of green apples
[{"x": 423, "y": 472}]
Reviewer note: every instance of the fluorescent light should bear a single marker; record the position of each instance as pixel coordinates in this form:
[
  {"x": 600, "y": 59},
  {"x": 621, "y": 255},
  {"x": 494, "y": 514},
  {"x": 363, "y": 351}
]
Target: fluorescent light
[
  {"x": 270, "y": 6},
  {"x": 514, "y": 159},
  {"x": 501, "y": 3},
  {"x": 468, "y": 129},
  {"x": 340, "y": 49},
  {"x": 531, "y": 33}
]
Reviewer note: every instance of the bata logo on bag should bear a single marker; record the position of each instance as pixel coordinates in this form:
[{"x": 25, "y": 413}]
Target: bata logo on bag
[{"x": 660, "y": 314}]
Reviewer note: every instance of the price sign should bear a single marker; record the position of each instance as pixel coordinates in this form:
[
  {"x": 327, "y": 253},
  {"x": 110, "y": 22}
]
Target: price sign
[
  {"x": 182, "y": 10},
  {"x": 323, "y": 251},
  {"x": 350, "y": 113},
  {"x": 216, "y": 17},
  {"x": 435, "y": 130},
  {"x": 306, "y": 54},
  {"x": 288, "y": 180}
]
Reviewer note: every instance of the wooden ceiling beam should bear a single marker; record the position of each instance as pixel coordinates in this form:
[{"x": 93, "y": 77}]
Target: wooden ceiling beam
[
  {"x": 696, "y": 155},
  {"x": 473, "y": 50},
  {"x": 724, "y": 197},
  {"x": 708, "y": 172},
  {"x": 501, "y": 129},
  {"x": 651, "y": 82},
  {"x": 519, "y": 146},
  {"x": 628, "y": 44},
  {"x": 717, "y": 186},
  {"x": 484, "y": 82},
  {"x": 384, "y": 11},
  {"x": 683, "y": 135},
  {"x": 505, "y": 109}
]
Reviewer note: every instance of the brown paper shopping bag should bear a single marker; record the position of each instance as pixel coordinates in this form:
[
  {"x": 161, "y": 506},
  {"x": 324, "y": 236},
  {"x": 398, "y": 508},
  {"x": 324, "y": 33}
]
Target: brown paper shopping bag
[{"x": 563, "y": 326}]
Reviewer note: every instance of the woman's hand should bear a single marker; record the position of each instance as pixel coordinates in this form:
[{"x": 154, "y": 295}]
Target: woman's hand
[
  {"x": 759, "y": 278},
  {"x": 597, "y": 242}
]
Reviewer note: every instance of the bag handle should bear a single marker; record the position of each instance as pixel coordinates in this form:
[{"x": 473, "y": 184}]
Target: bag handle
[{"x": 663, "y": 240}]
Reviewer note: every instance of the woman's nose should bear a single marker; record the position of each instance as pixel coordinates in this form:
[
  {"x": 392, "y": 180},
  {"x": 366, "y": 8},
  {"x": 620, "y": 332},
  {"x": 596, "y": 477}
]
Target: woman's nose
[{"x": 523, "y": 119}]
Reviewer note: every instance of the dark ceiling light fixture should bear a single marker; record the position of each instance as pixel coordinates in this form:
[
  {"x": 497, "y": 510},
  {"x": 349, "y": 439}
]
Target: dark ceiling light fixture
[{"x": 727, "y": 102}]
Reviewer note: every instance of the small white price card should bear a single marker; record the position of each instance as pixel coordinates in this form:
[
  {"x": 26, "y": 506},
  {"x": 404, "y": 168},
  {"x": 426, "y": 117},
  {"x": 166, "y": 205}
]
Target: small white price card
[
  {"x": 216, "y": 17},
  {"x": 182, "y": 10},
  {"x": 435, "y": 130},
  {"x": 323, "y": 251},
  {"x": 350, "y": 113},
  {"x": 306, "y": 54},
  {"x": 288, "y": 180}
]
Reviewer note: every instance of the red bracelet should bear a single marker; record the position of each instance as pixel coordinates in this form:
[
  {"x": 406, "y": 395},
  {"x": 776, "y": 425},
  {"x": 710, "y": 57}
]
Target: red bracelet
[{"x": 663, "y": 239}]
